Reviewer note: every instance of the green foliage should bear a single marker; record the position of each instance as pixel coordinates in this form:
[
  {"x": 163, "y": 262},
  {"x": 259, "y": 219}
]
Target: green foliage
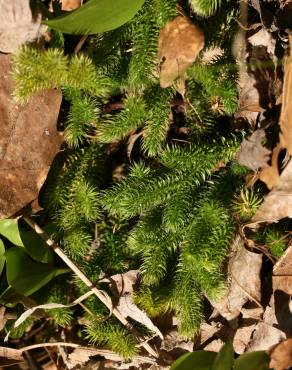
[
  {"x": 118, "y": 338},
  {"x": 155, "y": 301},
  {"x": 82, "y": 119},
  {"x": 223, "y": 360},
  {"x": 96, "y": 16},
  {"x": 246, "y": 203},
  {"x": 36, "y": 71},
  {"x": 205, "y": 7}
]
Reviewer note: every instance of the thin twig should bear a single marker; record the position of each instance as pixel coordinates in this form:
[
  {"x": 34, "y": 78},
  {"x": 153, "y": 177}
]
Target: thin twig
[
  {"x": 102, "y": 352},
  {"x": 104, "y": 298}
]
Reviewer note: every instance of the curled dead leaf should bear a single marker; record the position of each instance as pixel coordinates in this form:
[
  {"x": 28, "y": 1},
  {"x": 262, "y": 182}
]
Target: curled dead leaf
[
  {"x": 180, "y": 42},
  {"x": 281, "y": 355}
]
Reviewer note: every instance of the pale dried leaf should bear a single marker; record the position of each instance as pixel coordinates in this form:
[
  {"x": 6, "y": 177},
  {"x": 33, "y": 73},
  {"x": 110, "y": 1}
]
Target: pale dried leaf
[
  {"x": 284, "y": 264},
  {"x": 180, "y": 42},
  {"x": 17, "y": 25},
  {"x": 10, "y": 356},
  {"x": 29, "y": 141},
  {"x": 252, "y": 153},
  {"x": 124, "y": 283},
  {"x": 266, "y": 333},
  {"x": 278, "y": 203},
  {"x": 129, "y": 309},
  {"x": 263, "y": 38},
  {"x": 214, "y": 346},
  {"x": 281, "y": 355},
  {"x": 245, "y": 285},
  {"x": 250, "y": 318}
]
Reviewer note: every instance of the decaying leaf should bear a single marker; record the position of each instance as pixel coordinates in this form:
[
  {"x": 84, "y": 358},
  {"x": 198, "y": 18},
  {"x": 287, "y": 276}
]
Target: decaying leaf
[
  {"x": 252, "y": 153},
  {"x": 263, "y": 38},
  {"x": 180, "y": 42},
  {"x": 10, "y": 356},
  {"x": 122, "y": 286},
  {"x": 278, "y": 203},
  {"x": 18, "y": 25},
  {"x": 270, "y": 175},
  {"x": 286, "y": 110},
  {"x": 245, "y": 285},
  {"x": 29, "y": 141},
  {"x": 249, "y": 320},
  {"x": 281, "y": 355}
]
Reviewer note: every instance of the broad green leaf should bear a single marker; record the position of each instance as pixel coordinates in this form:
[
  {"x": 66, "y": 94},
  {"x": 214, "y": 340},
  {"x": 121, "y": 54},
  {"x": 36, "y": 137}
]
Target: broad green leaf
[
  {"x": 96, "y": 16},
  {"x": 199, "y": 360},
  {"x": 9, "y": 229},
  {"x": 225, "y": 358},
  {"x": 258, "y": 360},
  {"x": 25, "y": 275},
  {"x": 2, "y": 258},
  {"x": 36, "y": 247}
]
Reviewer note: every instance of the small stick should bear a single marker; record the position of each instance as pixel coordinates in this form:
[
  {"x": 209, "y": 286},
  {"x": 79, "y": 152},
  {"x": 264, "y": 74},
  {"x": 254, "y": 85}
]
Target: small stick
[{"x": 99, "y": 294}]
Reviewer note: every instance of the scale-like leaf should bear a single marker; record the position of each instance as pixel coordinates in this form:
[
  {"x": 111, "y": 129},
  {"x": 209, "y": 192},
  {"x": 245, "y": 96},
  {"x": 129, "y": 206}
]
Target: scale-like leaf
[
  {"x": 25, "y": 275},
  {"x": 96, "y": 16}
]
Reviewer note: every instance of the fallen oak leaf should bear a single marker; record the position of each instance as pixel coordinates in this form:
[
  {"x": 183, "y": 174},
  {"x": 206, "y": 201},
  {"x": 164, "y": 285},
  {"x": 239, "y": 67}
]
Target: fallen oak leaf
[
  {"x": 180, "y": 42},
  {"x": 10, "y": 356}
]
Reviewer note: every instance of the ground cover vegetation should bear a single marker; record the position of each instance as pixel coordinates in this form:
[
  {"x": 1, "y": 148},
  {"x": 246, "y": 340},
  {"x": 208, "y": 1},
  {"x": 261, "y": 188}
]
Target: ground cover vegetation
[{"x": 147, "y": 178}]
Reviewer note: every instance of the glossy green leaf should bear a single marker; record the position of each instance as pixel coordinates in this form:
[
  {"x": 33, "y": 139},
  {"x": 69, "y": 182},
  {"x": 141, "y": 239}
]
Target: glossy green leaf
[
  {"x": 36, "y": 247},
  {"x": 258, "y": 360},
  {"x": 225, "y": 358},
  {"x": 2, "y": 257},
  {"x": 9, "y": 229},
  {"x": 96, "y": 16},
  {"x": 199, "y": 360},
  {"x": 25, "y": 275}
]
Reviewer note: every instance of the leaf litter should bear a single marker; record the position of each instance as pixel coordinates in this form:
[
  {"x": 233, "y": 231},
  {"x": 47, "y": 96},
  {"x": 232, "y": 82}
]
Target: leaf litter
[{"x": 250, "y": 325}]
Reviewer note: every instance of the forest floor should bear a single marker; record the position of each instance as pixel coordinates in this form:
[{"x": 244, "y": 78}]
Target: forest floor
[{"x": 255, "y": 311}]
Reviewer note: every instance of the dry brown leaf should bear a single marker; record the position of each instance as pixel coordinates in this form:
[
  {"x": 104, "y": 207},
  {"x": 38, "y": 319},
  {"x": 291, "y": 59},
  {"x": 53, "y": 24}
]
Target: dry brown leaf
[
  {"x": 278, "y": 203},
  {"x": 284, "y": 265},
  {"x": 250, "y": 318},
  {"x": 122, "y": 286},
  {"x": 68, "y": 5},
  {"x": 286, "y": 110},
  {"x": 10, "y": 356},
  {"x": 270, "y": 175},
  {"x": 245, "y": 285},
  {"x": 180, "y": 42},
  {"x": 29, "y": 141},
  {"x": 266, "y": 333},
  {"x": 17, "y": 25},
  {"x": 281, "y": 355},
  {"x": 252, "y": 153}
]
